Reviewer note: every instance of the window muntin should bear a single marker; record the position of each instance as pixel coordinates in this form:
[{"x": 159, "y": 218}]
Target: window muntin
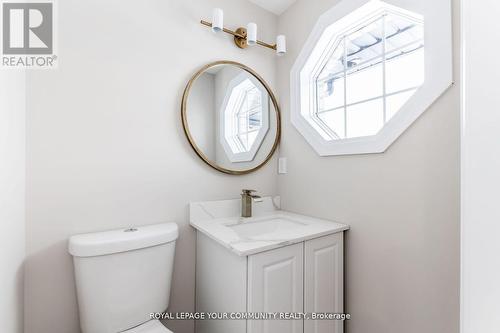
[{"x": 367, "y": 75}]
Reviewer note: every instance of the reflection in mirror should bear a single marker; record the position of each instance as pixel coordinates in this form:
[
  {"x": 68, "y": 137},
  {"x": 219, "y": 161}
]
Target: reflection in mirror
[
  {"x": 244, "y": 117},
  {"x": 230, "y": 118}
]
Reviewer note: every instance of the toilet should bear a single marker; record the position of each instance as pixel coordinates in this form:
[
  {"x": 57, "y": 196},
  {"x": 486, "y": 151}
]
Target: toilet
[{"x": 123, "y": 276}]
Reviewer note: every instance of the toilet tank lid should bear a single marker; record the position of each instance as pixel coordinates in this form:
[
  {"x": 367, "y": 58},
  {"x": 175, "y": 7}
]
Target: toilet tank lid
[{"x": 121, "y": 240}]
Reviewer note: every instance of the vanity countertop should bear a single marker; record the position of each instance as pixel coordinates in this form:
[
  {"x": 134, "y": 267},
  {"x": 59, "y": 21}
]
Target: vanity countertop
[{"x": 270, "y": 227}]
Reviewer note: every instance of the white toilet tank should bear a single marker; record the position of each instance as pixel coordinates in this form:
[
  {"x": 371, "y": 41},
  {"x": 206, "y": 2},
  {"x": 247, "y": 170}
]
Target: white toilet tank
[{"x": 123, "y": 275}]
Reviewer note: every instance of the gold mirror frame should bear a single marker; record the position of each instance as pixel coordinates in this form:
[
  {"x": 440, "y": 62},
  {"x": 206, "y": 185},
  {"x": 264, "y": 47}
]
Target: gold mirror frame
[{"x": 185, "y": 125}]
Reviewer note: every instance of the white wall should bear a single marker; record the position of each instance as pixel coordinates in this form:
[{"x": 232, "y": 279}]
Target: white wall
[
  {"x": 12, "y": 199},
  {"x": 105, "y": 143},
  {"x": 480, "y": 168},
  {"x": 402, "y": 252}
]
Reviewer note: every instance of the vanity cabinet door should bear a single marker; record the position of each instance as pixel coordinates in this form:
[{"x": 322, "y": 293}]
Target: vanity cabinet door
[
  {"x": 275, "y": 284},
  {"x": 323, "y": 285}
]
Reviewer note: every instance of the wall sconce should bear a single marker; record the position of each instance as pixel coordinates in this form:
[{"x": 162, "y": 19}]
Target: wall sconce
[
  {"x": 217, "y": 20},
  {"x": 244, "y": 37}
]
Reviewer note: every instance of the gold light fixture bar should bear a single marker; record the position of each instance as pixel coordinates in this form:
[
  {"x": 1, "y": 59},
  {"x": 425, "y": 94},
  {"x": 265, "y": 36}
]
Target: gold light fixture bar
[{"x": 240, "y": 36}]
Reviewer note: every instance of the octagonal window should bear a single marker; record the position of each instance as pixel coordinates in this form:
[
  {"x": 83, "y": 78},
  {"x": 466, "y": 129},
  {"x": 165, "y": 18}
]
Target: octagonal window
[
  {"x": 368, "y": 71},
  {"x": 245, "y": 116},
  {"x": 359, "y": 71}
]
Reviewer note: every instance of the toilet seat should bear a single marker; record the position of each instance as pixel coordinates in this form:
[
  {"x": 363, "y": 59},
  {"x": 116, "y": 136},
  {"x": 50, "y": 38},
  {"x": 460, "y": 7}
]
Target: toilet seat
[{"x": 152, "y": 326}]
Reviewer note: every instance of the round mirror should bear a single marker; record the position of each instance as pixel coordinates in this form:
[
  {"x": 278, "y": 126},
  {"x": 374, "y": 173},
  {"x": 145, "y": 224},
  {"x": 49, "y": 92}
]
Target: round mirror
[{"x": 231, "y": 117}]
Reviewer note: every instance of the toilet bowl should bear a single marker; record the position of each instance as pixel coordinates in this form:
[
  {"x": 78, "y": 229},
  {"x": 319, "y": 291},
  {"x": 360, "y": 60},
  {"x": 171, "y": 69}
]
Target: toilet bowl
[
  {"x": 152, "y": 326},
  {"x": 122, "y": 276}
]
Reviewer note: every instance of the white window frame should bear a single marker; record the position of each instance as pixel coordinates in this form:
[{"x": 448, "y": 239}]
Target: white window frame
[
  {"x": 438, "y": 71},
  {"x": 247, "y": 156}
]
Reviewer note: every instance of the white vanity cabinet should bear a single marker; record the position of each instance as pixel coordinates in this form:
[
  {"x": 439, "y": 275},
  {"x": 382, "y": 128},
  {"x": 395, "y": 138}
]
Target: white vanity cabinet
[
  {"x": 275, "y": 284},
  {"x": 273, "y": 262},
  {"x": 324, "y": 281},
  {"x": 302, "y": 277}
]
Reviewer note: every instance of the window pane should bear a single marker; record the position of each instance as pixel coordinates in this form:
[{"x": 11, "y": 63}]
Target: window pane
[
  {"x": 400, "y": 32},
  {"x": 395, "y": 102},
  {"x": 335, "y": 121},
  {"x": 330, "y": 93},
  {"x": 364, "y": 45},
  {"x": 242, "y": 124},
  {"x": 335, "y": 64},
  {"x": 365, "y": 119},
  {"x": 404, "y": 71},
  {"x": 255, "y": 120},
  {"x": 364, "y": 62},
  {"x": 330, "y": 81},
  {"x": 253, "y": 98},
  {"x": 364, "y": 84}
]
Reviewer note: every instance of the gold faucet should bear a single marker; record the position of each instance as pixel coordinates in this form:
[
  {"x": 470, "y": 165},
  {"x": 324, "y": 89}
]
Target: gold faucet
[{"x": 246, "y": 202}]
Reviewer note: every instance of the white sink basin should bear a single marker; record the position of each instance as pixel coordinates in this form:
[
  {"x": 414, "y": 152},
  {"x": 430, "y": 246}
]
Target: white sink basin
[
  {"x": 270, "y": 227},
  {"x": 265, "y": 227}
]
